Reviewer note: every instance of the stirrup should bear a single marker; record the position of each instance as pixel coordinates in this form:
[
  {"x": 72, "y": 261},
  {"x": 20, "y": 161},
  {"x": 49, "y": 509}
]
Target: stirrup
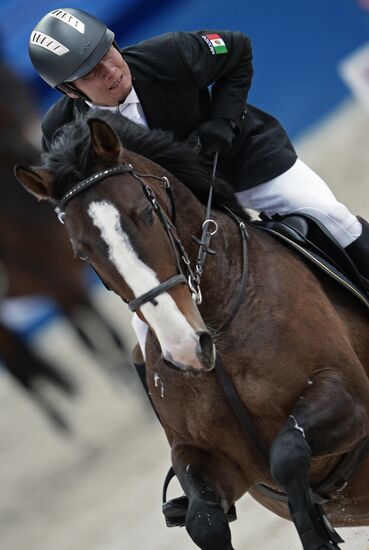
[{"x": 175, "y": 512}]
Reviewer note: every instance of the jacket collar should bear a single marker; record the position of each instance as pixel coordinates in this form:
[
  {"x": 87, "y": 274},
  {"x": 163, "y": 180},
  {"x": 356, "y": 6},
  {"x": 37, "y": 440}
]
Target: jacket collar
[{"x": 151, "y": 95}]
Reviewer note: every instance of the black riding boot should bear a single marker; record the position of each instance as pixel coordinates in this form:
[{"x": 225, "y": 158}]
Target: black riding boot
[{"x": 359, "y": 253}]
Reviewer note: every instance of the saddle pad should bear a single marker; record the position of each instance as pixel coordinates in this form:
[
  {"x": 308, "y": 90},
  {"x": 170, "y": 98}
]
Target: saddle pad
[{"x": 322, "y": 264}]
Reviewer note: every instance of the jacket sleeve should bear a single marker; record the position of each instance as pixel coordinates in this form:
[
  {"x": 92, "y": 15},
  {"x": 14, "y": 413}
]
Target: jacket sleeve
[{"x": 229, "y": 72}]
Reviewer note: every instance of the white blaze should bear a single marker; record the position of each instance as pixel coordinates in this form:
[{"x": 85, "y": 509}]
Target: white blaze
[{"x": 175, "y": 334}]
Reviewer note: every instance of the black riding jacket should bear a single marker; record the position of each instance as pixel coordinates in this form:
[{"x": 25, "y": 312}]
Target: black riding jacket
[{"x": 181, "y": 82}]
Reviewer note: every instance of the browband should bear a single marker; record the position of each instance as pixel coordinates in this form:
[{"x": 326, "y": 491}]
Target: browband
[{"x": 88, "y": 182}]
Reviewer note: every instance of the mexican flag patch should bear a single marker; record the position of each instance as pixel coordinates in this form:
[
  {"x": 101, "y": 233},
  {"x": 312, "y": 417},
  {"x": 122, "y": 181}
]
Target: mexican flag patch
[{"x": 216, "y": 43}]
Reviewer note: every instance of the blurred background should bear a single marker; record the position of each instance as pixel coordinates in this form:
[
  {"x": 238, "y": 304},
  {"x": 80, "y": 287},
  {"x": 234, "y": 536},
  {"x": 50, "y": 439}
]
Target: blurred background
[{"x": 82, "y": 455}]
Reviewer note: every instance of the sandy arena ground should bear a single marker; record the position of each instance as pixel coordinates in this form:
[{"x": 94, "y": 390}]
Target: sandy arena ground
[{"x": 100, "y": 487}]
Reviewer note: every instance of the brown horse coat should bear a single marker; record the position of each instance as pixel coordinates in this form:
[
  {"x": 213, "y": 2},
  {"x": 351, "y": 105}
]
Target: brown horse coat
[{"x": 297, "y": 350}]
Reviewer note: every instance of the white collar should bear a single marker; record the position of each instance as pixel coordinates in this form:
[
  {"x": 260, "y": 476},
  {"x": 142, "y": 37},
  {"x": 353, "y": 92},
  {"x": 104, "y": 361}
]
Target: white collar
[{"x": 131, "y": 98}]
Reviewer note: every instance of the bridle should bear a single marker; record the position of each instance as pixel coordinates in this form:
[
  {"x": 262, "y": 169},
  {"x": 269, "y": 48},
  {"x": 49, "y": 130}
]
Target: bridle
[{"x": 186, "y": 275}]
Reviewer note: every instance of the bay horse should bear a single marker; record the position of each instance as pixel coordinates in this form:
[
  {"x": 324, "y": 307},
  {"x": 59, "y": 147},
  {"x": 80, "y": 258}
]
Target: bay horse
[{"x": 296, "y": 350}]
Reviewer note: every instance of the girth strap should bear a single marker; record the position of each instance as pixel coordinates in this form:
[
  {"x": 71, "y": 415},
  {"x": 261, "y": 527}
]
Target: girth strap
[
  {"x": 336, "y": 481},
  {"x": 240, "y": 411},
  {"x": 344, "y": 471}
]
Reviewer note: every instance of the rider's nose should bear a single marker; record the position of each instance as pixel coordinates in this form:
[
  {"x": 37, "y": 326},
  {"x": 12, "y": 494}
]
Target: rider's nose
[{"x": 106, "y": 70}]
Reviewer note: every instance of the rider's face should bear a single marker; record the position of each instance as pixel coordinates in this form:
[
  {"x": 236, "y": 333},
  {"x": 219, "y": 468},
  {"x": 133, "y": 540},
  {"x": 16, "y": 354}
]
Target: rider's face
[{"x": 109, "y": 82}]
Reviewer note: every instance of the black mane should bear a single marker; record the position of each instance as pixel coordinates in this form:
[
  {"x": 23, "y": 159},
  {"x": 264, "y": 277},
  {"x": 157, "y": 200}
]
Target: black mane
[{"x": 69, "y": 158}]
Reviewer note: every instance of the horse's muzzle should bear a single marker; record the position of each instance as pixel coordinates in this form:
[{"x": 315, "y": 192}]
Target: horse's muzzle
[
  {"x": 199, "y": 359},
  {"x": 205, "y": 350}
]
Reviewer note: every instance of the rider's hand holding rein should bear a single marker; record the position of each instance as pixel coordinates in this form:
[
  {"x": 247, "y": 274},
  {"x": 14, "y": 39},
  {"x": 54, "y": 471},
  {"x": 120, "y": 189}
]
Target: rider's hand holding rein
[{"x": 216, "y": 136}]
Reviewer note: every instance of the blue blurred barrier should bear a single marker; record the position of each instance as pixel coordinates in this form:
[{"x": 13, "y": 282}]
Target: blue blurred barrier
[{"x": 28, "y": 314}]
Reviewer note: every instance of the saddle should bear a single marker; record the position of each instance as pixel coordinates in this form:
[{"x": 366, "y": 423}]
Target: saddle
[{"x": 308, "y": 237}]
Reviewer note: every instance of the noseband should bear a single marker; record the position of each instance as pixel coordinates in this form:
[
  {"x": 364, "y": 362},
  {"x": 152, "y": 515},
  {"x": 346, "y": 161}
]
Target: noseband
[{"x": 186, "y": 275}]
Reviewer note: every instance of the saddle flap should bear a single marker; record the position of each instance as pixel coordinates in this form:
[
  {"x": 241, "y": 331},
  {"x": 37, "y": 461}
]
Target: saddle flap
[{"x": 311, "y": 235}]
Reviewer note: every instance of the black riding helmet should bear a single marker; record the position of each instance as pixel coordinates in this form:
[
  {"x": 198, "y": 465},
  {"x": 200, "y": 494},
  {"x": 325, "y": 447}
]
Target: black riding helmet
[{"x": 67, "y": 44}]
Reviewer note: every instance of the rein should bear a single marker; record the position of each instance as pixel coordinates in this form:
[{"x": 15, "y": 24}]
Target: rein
[
  {"x": 207, "y": 233},
  {"x": 176, "y": 244}
]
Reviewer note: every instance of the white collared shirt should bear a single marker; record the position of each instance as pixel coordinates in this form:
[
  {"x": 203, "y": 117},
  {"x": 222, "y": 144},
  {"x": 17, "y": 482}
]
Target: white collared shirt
[{"x": 131, "y": 108}]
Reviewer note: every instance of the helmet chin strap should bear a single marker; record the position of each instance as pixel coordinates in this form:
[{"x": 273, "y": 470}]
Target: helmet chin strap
[{"x": 69, "y": 87}]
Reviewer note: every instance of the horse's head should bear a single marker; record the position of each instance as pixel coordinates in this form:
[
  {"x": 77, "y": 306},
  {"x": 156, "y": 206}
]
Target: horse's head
[{"x": 121, "y": 223}]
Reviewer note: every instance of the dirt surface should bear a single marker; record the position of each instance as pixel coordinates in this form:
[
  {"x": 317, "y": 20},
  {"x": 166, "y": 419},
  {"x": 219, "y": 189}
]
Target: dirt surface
[{"x": 99, "y": 487}]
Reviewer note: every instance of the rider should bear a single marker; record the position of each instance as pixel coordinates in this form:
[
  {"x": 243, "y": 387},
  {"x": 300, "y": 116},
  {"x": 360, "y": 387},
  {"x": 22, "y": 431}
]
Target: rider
[{"x": 164, "y": 83}]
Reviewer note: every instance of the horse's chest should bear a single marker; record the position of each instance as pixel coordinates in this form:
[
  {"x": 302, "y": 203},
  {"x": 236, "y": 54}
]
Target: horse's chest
[{"x": 186, "y": 401}]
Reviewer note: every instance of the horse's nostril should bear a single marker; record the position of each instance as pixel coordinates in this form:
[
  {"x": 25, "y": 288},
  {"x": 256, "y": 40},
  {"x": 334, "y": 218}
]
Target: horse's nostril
[
  {"x": 205, "y": 342},
  {"x": 206, "y": 349}
]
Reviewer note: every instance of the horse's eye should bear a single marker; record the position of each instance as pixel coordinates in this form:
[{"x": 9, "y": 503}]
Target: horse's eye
[{"x": 149, "y": 215}]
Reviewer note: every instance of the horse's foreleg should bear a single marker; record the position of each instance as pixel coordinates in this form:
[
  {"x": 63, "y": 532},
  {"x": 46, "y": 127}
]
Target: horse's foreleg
[
  {"x": 325, "y": 420},
  {"x": 290, "y": 461},
  {"x": 206, "y": 521}
]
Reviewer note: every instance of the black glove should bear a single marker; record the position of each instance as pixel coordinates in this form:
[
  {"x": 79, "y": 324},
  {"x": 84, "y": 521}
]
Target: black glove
[{"x": 216, "y": 136}]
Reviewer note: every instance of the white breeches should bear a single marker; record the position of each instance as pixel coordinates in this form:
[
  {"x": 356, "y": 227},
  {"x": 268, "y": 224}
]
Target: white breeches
[{"x": 298, "y": 190}]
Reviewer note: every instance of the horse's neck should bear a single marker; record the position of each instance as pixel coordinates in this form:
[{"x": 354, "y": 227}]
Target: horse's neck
[{"x": 268, "y": 264}]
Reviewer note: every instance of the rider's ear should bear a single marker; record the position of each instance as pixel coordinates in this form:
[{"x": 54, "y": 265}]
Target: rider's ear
[
  {"x": 37, "y": 181},
  {"x": 105, "y": 141}
]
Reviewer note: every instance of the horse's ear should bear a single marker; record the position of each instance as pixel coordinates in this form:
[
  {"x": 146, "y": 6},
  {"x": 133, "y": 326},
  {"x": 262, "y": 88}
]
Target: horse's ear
[
  {"x": 105, "y": 141},
  {"x": 36, "y": 180}
]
